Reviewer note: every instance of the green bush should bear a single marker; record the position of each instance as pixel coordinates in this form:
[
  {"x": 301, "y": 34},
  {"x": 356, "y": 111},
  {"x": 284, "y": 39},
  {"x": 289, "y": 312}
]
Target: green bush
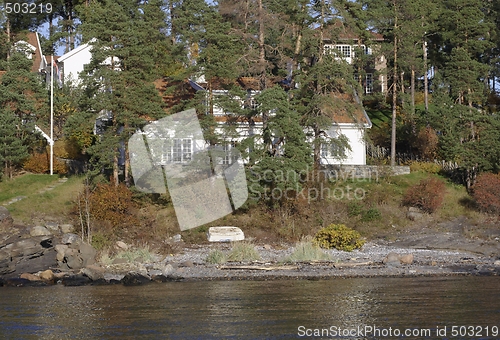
[
  {"x": 371, "y": 214},
  {"x": 243, "y": 252},
  {"x": 338, "y": 236},
  {"x": 216, "y": 256},
  {"x": 354, "y": 209},
  {"x": 307, "y": 251}
]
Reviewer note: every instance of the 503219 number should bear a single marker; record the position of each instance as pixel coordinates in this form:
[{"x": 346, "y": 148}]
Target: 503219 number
[{"x": 27, "y": 8}]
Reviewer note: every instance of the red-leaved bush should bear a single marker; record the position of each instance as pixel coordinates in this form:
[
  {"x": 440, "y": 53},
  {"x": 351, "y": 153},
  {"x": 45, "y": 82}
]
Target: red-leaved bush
[
  {"x": 427, "y": 195},
  {"x": 486, "y": 192}
]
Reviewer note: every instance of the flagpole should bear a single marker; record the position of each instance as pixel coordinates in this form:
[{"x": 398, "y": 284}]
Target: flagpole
[{"x": 52, "y": 115}]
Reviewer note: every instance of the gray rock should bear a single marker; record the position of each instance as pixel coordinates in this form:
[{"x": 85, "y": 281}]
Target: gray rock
[
  {"x": 154, "y": 272},
  {"x": 406, "y": 259},
  {"x": 110, "y": 276},
  {"x": 414, "y": 214},
  {"x": 121, "y": 245},
  {"x": 177, "y": 238},
  {"x": 74, "y": 262},
  {"x": 497, "y": 263},
  {"x": 93, "y": 272},
  {"x": 5, "y": 217},
  {"x": 67, "y": 228},
  {"x": 70, "y": 238},
  {"x": 168, "y": 270},
  {"x": 52, "y": 226},
  {"x": 391, "y": 258},
  {"x": 39, "y": 231},
  {"x": 60, "y": 248}
]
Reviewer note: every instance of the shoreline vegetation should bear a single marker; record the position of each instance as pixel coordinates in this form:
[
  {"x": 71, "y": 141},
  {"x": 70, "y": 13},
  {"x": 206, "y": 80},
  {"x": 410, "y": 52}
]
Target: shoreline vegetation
[{"x": 396, "y": 241}]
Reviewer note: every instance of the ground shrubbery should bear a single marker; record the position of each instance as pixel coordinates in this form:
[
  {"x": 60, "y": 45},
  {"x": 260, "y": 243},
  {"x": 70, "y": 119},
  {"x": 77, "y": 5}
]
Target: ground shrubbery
[
  {"x": 486, "y": 192},
  {"x": 39, "y": 163},
  {"x": 427, "y": 195},
  {"x": 306, "y": 250},
  {"x": 338, "y": 236}
]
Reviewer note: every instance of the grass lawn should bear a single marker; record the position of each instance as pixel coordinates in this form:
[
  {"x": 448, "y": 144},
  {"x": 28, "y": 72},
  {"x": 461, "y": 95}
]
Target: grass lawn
[{"x": 54, "y": 204}]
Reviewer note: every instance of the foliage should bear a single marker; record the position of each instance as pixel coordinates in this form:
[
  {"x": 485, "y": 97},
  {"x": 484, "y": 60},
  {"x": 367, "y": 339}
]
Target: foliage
[
  {"x": 243, "y": 252},
  {"x": 140, "y": 253},
  {"x": 39, "y": 163},
  {"x": 427, "y": 167},
  {"x": 216, "y": 256},
  {"x": 111, "y": 206},
  {"x": 371, "y": 214},
  {"x": 306, "y": 250},
  {"x": 12, "y": 135},
  {"x": 338, "y": 236},
  {"x": 427, "y": 195},
  {"x": 486, "y": 192}
]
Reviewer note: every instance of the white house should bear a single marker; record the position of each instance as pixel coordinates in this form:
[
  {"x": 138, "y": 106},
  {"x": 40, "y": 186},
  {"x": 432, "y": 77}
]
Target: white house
[
  {"x": 349, "y": 119},
  {"x": 72, "y": 63}
]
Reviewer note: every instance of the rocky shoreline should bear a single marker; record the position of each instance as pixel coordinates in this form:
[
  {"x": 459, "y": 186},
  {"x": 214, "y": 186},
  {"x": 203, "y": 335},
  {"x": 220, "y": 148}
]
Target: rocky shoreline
[
  {"x": 374, "y": 260},
  {"x": 53, "y": 254}
]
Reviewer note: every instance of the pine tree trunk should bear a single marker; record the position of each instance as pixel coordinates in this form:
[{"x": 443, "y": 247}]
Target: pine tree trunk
[
  {"x": 116, "y": 180},
  {"x": 7, "y": 28},
  {"x": 262, "y": 51},
  {"x": 426, "y": 80},
  {"x": 413, "y": 89}
]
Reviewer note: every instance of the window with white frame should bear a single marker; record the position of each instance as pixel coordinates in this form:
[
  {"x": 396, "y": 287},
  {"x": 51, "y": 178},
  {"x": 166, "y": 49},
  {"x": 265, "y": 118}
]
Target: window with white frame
[
  {"x": 229, "y": 155},
  {"x": 369, "y": 83},
  {"x": 344, "y": 50},
  {"x": 177, "y": 150},
  {"x": 324, "y": 150}
]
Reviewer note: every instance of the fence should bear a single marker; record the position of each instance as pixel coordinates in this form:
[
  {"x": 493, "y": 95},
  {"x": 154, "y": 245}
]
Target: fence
[{"x": 380, "y": 153}]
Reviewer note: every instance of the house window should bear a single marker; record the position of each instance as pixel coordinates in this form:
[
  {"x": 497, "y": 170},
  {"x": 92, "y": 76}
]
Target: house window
[
  {"x": 178, "y": 150},
  {"x": 369, "y": 83},
  {"x": 324, "y": 150},
  {"x": 229, "y": 156},
  {"x": 345, "y": 50},
  {"x": 328, "y": 49}
]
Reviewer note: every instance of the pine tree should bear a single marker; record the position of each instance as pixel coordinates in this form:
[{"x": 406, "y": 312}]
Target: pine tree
[{"x": 127, "y": 42}]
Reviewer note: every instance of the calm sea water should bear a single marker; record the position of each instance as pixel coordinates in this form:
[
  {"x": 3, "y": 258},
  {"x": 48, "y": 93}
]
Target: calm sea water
[{"x": 256, "y": 309}]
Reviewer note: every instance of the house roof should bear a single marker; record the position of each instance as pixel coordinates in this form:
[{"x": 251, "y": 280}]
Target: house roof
[
  {"x": 73, "y": 52},
  {"x": 346, "y": 109}
]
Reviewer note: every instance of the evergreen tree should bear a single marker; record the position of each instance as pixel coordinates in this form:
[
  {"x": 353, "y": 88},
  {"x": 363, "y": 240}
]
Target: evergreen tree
[
  {"x": 126, "y": 41},
  {"x": 22, "y": 101}
]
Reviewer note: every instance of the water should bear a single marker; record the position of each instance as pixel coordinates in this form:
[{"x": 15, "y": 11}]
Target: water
[{"x": 253, "y": 309}]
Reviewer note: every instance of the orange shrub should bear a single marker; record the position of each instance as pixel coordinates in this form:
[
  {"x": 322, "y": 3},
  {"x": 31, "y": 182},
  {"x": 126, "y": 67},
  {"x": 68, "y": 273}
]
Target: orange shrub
[
  {"x": 112, "y": 205},
  {"x": 427, "y": 195},
  {"x": 486, "y": 192},
  {"x": 38, "y": 163}
]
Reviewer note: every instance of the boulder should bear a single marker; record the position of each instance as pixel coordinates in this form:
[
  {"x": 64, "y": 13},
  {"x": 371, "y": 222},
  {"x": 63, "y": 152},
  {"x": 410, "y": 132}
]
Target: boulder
[
  {"x": 391, "y": 258},
  {"x": 47, "y": 275},
  {"x": 5, "y": 218},
  {"x": 31, "y": 277},
  {"x": 76, "y": 280},
  {"x": 52, "y": 226},
  {"x": 135, "y": 279},
  {"x": 87, "y": 254},
  {"x": 93, "y": 272},
  {"x": 67, "y": 228},
  {"x": 39, "y": 231},
  {"x": 121, "y": 245},
  {"x": 406, "y": 259},
  {"x": 168, "y": 269},
  {"x": 70, "y": 238},
  {"x": 414, "y": 214}
]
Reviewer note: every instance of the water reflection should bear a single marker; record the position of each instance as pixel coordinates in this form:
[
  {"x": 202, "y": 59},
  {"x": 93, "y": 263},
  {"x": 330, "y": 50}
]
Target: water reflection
[{"x": 246, "y": 310}]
